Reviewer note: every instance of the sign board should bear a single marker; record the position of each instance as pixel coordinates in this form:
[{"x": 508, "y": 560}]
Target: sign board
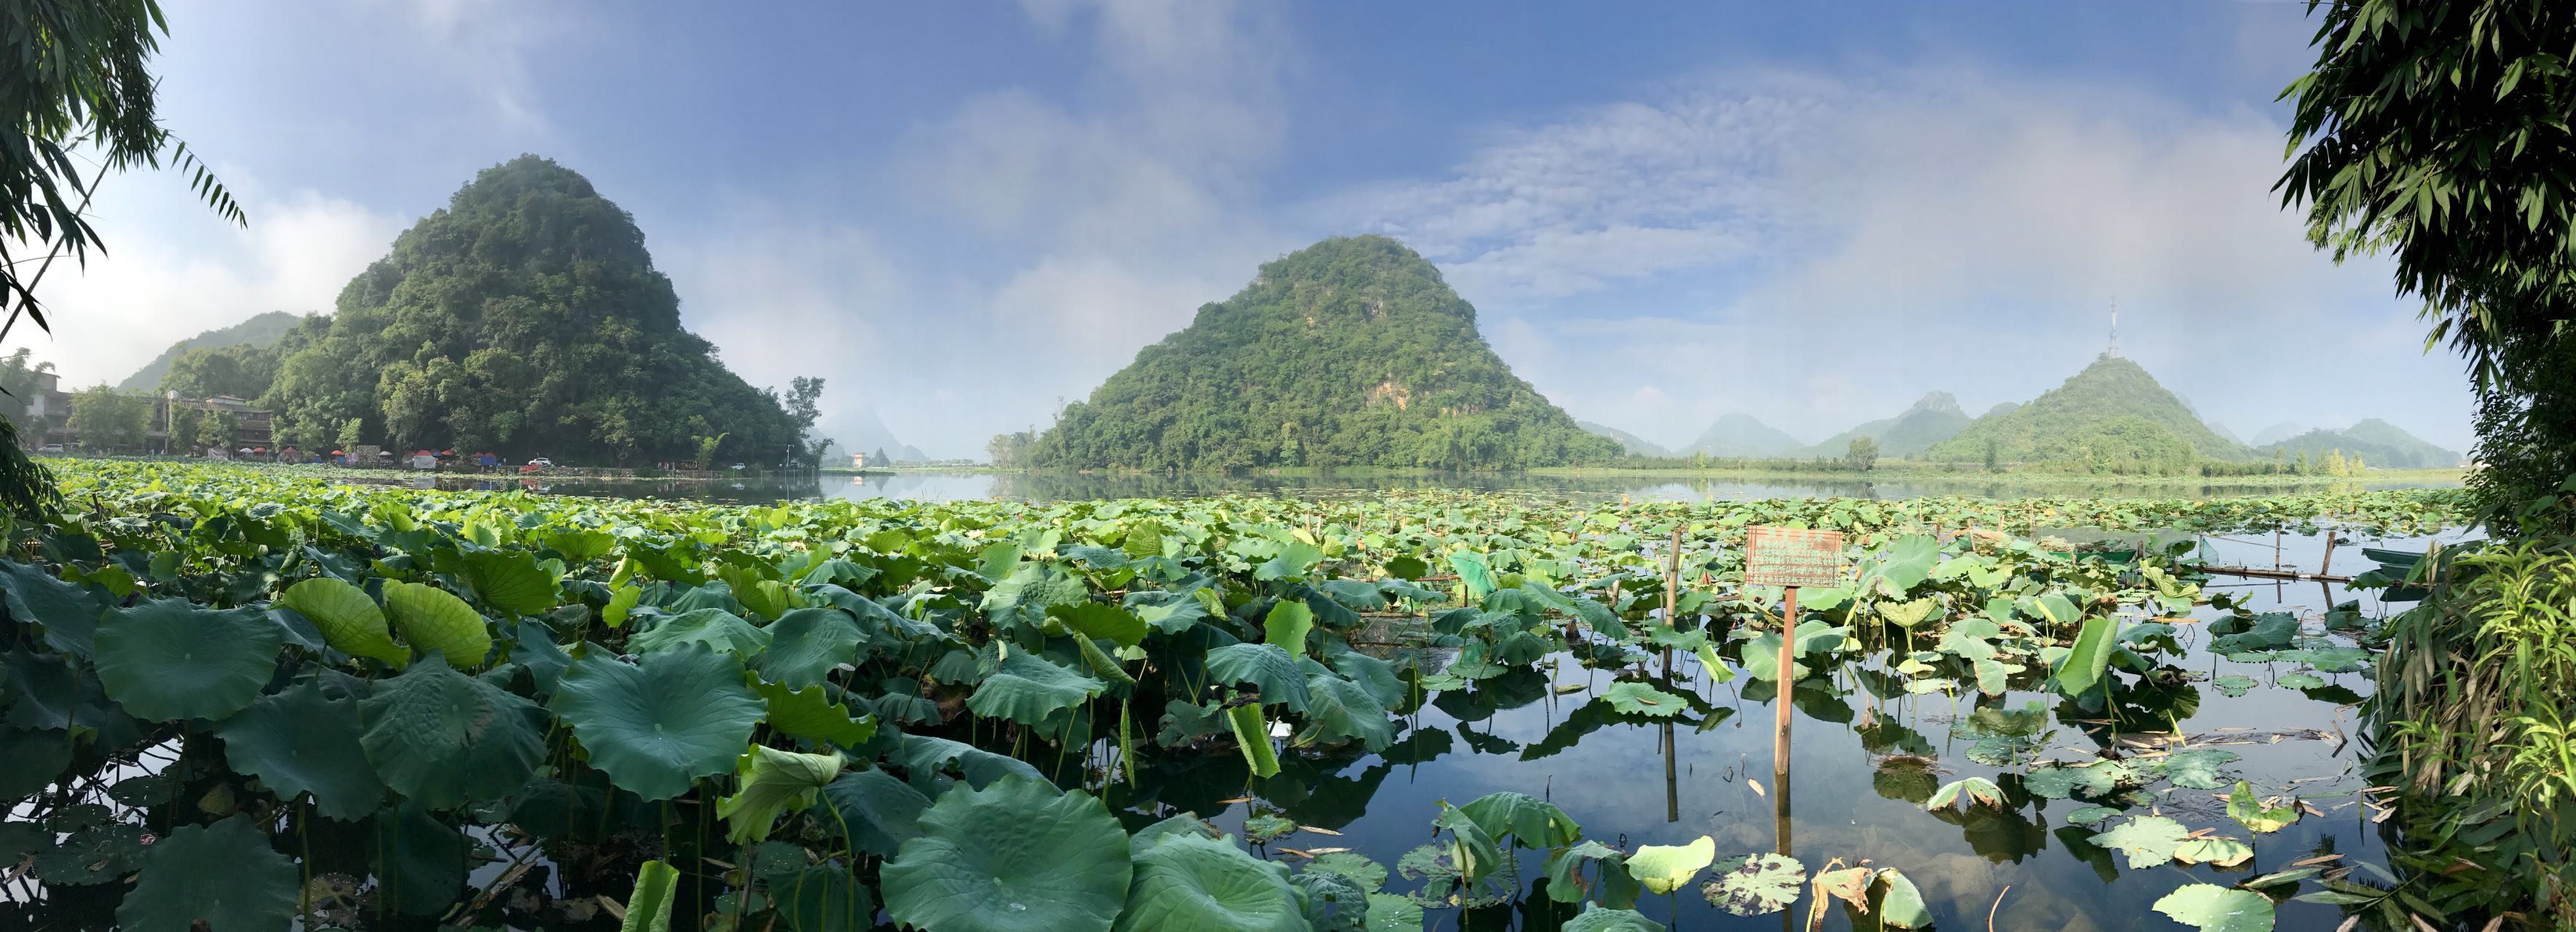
[{"x": 1779, "y": 556}]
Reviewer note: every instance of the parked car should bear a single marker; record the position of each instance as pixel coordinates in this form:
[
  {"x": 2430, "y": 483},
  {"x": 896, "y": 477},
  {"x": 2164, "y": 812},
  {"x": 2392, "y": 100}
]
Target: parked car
[
  {"x": 542, "y": 463},
  {"x": 50, "y": 448}
]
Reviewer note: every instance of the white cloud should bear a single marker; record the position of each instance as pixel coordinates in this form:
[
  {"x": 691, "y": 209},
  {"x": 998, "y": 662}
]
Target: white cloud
[
  {"x": 1822, "y": 252},
  {"x": 172, "y": 270}
]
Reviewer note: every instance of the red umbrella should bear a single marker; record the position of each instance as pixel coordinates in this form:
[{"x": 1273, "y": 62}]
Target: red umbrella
[{"x": 338, "y": 453}]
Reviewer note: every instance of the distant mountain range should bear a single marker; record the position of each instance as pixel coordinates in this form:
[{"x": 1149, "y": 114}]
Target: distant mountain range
[
  {"x": 1931, "y": 420},
  {"x": 1742, "y": 435},
  {"x": 2377, "y": 442},
  {"x": 260, "y": 331},
  {"x": 2112, "y": 411},
  {"x": 1635, "y": 445},
  {"x": 2277, "y": 433}
]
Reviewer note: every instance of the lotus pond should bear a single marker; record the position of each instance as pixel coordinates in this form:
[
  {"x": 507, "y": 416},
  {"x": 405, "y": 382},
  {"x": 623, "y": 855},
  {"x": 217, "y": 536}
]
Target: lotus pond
[{"x": 260, "y": 702}]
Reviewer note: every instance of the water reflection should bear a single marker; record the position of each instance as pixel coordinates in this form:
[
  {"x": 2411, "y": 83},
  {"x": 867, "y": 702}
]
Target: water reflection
[{"x": 934, "y": 486}]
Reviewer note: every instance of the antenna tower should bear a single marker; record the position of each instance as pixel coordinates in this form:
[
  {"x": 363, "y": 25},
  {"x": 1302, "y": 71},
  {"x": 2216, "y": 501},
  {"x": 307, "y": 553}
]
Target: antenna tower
[{"x": 2114, "y": 351}]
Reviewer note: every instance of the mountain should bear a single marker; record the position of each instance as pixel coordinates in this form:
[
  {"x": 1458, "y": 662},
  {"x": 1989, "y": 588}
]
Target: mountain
[
  {"x": 1743, "y": 436},
  {"x": 2113, "y": 413},
  {"x": 2277, "y": 433},
  {"x": 2002, "y": 408},
  {"x": 859, "y": 430},
  {"x": 2377, "y": 442},
  {"x": 2222, "y": 431},
  {"x": 260, "y": 331},
  {"x": 1351, "y": 351},
  {"x": 1931, "y": 420},
  {"x": 1635, "y": 445},
  {"x": 525, "y": 318}
]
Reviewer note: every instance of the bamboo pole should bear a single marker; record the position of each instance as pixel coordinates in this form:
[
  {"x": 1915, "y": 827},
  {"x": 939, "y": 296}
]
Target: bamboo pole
[{"x": 1788, "y": 658}]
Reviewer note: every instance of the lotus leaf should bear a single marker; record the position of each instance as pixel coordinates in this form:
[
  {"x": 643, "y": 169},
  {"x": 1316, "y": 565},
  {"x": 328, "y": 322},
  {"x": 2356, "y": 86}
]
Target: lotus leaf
[
  {"x": 881, "y": 812},
  {"x": 349, "y": 621},
  {"x": 1388, "y": 912},
  {"x": 807, "y": 714},
  {"x": 1287, "y": 625},
  {"x": 1666, "y": 868},
  {"x": 2087, "y": 815},
  {"x": 1186, "y": 883},
  {"x": 2213, "y": 908},
  {"x": 1261, "y": 829},
  {"x": 1102, "y": 621},
  {"x": 713, "y": 628},
  {"x": 511, "y": 581},
  {"x": 434, "y": 620},
  {"x": 2300, "y": 681},
  {"x": 2060, "y": 782},
  {"x": 1017, "y": 855},
  {"x": 1900, "y": 903},
  {"x": 1634, "y": 698},
  {"x": 446, "y": 739},
  {"x": 807, "y": 643},
  {"x": 1341, "y": 710},
  {"x": 927, "y": 758},
  {"x": 165, "y": 659},
  {"x": 2224, "y": 852},
  {"x": 2234, "y": 684},
  {"x": 423, "y": 860},
  {"x": 1598, "y": 918},
  {"x": 1849, "y": 884},
  {"x": 68, "y": 613},
  {"x": 773, "y": 783},
  {"x": 224, "y": 875},
  {"x": 1525, "y": 818},
  {"x": 1907, "y": 614},
  {"x": 2248, "y": 810},
  {"x": 31, "y": 759},
  {"x": 657, "y": 725},
  {"x": 1613, "y": 885},
  {"x": 2198, "y": 769},
  {"x": 1332, "y": 903},
  {"x": 1975, "y": 790},
  {"x": 2091, "y": 659},
  {"x": 1369, "y": 875},
  {"x": 1033, "y": 692},
  {"x": 2147, "y": 841},
  {"x": 1755, "y": 884},
  {"x": 648, "y": 909},
  {"x": 299, "y": 741},
  {"x": 1265, "y": 666},
  {"x": 93, "y": 855}
]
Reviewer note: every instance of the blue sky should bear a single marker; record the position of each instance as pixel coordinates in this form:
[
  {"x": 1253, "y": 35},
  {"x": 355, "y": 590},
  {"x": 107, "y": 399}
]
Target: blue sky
[{"x": 959, "y": 213}]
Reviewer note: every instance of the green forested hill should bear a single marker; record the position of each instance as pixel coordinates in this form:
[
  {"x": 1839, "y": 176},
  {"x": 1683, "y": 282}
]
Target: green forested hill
[
  {"x": 526, "y": 318},
  {"x": 1352, "y": 351},
  {"x": 2112, "y": 414},
  {"x": 2377, "y": 442},
  {"x": 1935, "y": 418},
  {"x": 259, "y": 331}
]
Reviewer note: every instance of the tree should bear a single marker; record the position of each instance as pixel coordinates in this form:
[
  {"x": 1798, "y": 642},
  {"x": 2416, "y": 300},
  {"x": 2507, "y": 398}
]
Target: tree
[
  {"x": 241, "y": 371},
  {"x": 1862, "y": 456},
  {"x": 19, "y": 376},
  {"x": 185, "y": 424},
  {"x": 2437, "y": 132},
  {"x": 107, "y": 419},
  {"x": 1994, "y": 455},
  {"x": 218, "y": 430},
  {"x": 707, "y": 447},
  {"x": 349, "y": 433}
]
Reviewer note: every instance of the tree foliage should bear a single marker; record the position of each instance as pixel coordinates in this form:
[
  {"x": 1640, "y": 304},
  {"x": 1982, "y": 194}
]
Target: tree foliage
[
  {"x": 241, "y": 370},
  {"x": 107, "y": 419},
  {"x": 2111, "y": 417},
  {"x": 1352, "y": 351},
  {"x": 526, "y": 318},
  {"x": 2438, "y": 133}
]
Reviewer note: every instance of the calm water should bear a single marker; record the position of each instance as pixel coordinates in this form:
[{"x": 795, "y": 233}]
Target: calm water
[{"x": 952, "y": 486}]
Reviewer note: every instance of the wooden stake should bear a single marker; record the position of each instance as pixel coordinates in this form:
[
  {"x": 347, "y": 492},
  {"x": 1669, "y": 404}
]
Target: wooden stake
[{"x": 1788, "y": 658}]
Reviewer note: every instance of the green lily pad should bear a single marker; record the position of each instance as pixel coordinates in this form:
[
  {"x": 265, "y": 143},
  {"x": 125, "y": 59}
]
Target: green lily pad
[
  {"x": 511, "y": 581},
  {"x": 166, "y": 660},
  {"x": 1531, "y": 822},
  {"x": 714, "y": 628},
  {"x": 773, "y": 783},
  {"x": 2246, "y": 809},
  {"x": 1900, "y": 903},
  {"x": 2061, "y": 782},
  {"x": 2234, "y": 684},
  {"x": 1633, "y": 698},
  {"x": 2300, "y": 681},
  {"x": 1268, "y": 668},
  {"x": 298, "y": 741},
  {"x": 1185, "y": 883},
  {"x": 1033, "y": 692},
  {"x": 1598, "y": 918},
  {"x": 225, "y": 874},
  {"x": 30, "y": 760},
  {"x": 1666, "y": 868},
  {"x": 1261, "y": 829},
  {"x": 657, "y": 725},
  {"x": 1340, "y": 710},
  {"x": 2147, "y": 841},
  {"x": 349, "y": 621},
  {"x": 1756, "y": 884},
  {"x": 807, "y": 714},
  {"x": 807, "y": 643},
  {"x": 1388, "y": 912},
  {"x": 66, "y": 610},
  {"x": 2224, "y": 852},
  {"x": 1974, "y": 790},
  {"x": 2088, "y": 815},
  {"x": 1370, "y": 875},
  {"x": 2199, "y": 769},
  {"x": 446, "y": 739},
  {"x": 434, "y": 620},
  {"x": 94, "y": 855},
  {"x": 880, "y": 811},
  {"x": 1016, "y": 855},
  {"x": 2213, "y": 908}
]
